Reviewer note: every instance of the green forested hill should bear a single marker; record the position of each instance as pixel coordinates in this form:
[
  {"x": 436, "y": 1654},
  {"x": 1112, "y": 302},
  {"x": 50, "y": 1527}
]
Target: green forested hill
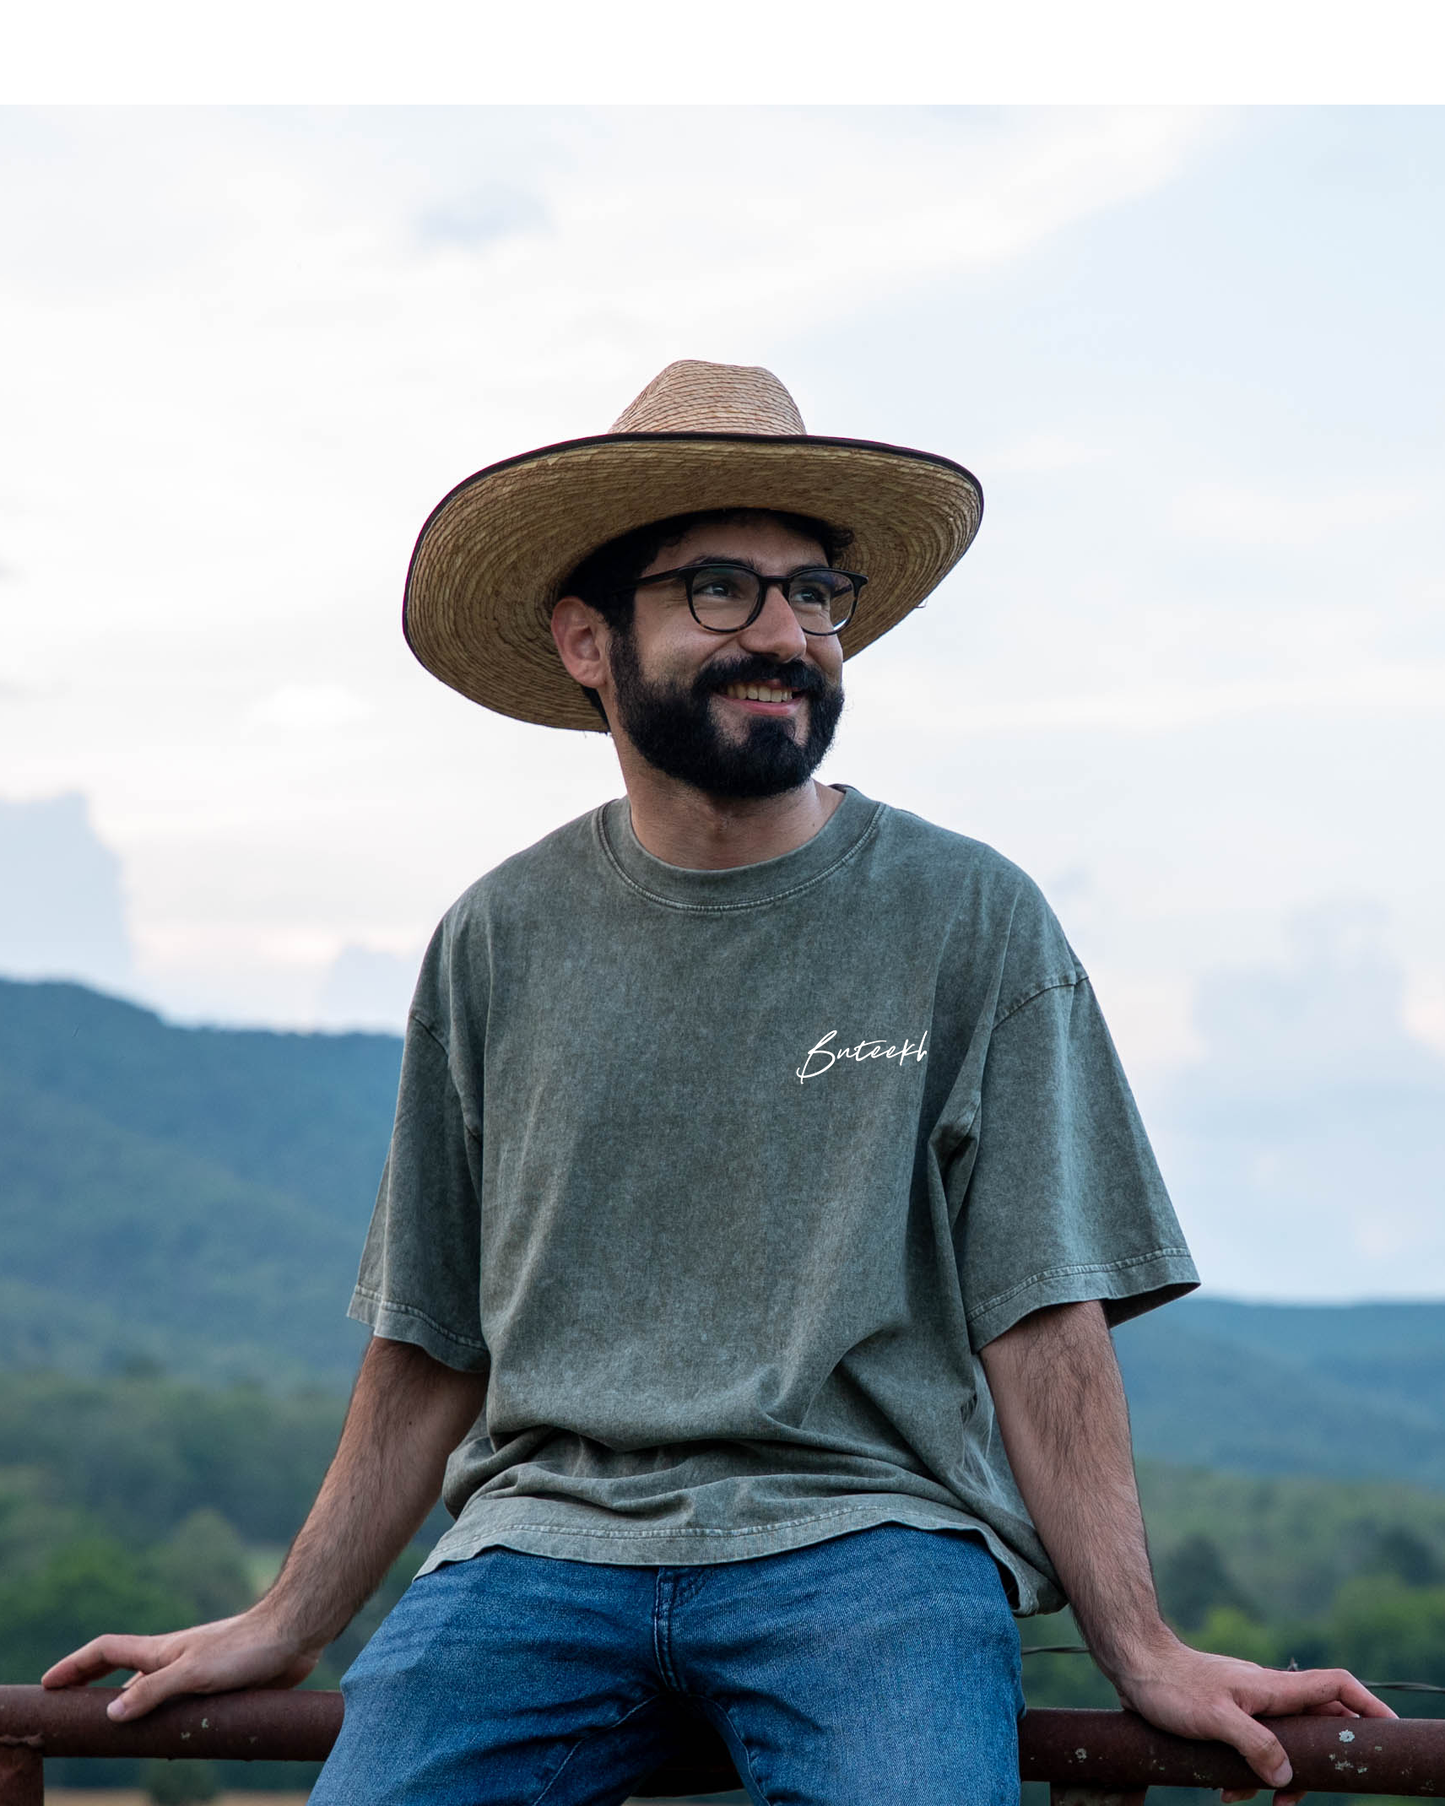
[
  {"x": 1392, "y": 1352},
  {"x": 189, "y": 1197},
  {"x": 194, "y": 1200},
  {"x": 304, "y": 1114},
  {"x": 1239, "y": 1386},
  {"x": 118, "y": 1218}
]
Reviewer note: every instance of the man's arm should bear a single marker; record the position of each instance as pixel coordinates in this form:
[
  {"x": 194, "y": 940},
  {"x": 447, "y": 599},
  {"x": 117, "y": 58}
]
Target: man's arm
[
  {"x": 407, "y": 1413},
  {"x": 1061, "y": 1409}
]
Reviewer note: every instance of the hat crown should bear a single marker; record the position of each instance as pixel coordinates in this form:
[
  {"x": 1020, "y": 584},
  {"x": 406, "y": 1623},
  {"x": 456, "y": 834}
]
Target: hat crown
[{"x": 691, "y": 396}]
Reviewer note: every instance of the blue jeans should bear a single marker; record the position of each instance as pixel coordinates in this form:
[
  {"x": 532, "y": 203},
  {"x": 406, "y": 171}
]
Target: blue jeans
[{"x": 876, "y": 1669}]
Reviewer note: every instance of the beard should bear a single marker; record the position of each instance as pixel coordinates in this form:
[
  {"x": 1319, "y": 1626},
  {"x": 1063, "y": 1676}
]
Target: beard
[{"x": 674, "y": 728}]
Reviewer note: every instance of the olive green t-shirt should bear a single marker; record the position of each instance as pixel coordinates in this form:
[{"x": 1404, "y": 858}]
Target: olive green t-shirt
[{"x": 723, "y": 1177}]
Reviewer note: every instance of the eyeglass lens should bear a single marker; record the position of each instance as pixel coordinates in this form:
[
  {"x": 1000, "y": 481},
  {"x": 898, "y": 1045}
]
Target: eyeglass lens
[{"x": 724, "y": 596}]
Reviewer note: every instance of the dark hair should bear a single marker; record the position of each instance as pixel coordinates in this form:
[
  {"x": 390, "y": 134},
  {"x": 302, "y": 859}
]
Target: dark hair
[{"x": 603, "y": 578}]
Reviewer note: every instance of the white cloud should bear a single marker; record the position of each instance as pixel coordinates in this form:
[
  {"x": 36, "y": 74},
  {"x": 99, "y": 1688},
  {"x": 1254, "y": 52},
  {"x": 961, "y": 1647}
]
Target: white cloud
[
  {"x": 1041, "y": 453},
  {"x": 1307, "y": 1142},
  {"x": 314, "y": 707},
  {"x": 927, "y": 702},
  {"x": 1230, "y": 515},
  {"x": 1115, "y": 50},
  {"x": 1423, "y": 1010},
  {"x": 260, "y": 346},
  {"x": 368, "y": 988},
  {"x": 62, "y": 897}
]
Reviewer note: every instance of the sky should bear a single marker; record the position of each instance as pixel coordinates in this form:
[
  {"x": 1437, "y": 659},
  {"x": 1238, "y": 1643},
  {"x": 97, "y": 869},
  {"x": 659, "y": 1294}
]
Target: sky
[{"x": 1191, "y": 675}]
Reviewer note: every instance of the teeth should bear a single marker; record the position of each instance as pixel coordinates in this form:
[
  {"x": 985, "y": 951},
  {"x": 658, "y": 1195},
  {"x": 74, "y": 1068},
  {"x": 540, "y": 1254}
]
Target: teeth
[{"x": 759, "y": 693}]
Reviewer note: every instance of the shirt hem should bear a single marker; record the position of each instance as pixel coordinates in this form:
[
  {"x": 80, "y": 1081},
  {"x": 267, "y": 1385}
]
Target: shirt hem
[{"x": 698, "y": 1545}]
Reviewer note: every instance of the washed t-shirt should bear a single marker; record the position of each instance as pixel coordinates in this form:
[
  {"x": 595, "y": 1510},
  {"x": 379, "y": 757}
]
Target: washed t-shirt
[{"x": 724, "y": 1177}]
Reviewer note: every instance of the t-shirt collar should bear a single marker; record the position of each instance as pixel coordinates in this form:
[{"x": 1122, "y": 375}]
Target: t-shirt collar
[{"x": 741, "y": 885}]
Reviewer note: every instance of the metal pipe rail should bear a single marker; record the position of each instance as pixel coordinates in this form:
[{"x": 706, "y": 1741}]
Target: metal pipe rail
[{"x": 1086, "y": 1757}]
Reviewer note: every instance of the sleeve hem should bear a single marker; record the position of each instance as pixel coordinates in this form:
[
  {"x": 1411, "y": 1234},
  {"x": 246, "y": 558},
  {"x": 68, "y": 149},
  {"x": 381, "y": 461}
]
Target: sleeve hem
[
  {"x": 1126, "y": 1288},
  {"x": 403, "y": 1323}
]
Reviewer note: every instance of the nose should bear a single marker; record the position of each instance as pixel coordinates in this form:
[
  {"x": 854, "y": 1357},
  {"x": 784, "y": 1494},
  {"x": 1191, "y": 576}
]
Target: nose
[{"x": 776, "y": 632}]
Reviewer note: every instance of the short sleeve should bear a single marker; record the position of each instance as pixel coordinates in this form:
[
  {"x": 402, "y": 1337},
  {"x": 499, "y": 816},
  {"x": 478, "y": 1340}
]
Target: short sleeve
[
  {"x": 1064, "y": 1200},
  {"x": 420, "y": 1268}
]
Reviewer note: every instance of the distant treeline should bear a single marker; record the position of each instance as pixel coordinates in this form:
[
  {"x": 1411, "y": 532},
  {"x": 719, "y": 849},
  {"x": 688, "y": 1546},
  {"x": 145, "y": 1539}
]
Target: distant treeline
[
  {"x": 1318, "y": 1572},
  {"x": 143, "y": 1503}
]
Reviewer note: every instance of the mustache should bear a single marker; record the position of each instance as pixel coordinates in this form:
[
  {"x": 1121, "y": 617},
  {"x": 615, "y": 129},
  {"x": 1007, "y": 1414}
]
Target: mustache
[{"x": 791, "y": 674}]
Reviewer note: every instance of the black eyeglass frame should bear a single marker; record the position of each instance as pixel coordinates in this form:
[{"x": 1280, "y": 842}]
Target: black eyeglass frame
[{"x": 691, "y": 572}]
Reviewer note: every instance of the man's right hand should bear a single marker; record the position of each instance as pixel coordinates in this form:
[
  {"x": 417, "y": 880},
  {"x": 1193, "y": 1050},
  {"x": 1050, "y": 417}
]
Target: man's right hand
[{"x": 245, "y": 1651}]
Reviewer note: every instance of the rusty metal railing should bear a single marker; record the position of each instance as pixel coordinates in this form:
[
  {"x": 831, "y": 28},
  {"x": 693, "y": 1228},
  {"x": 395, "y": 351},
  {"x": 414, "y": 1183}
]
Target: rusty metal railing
[{"x": 1086, "y": 1757}]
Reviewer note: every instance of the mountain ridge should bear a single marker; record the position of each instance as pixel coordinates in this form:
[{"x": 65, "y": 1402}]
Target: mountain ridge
[{"x": 194, "y": 1200}]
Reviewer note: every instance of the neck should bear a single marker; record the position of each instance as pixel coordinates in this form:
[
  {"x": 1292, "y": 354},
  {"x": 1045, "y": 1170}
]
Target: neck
[{"x": 704, "y": 833}]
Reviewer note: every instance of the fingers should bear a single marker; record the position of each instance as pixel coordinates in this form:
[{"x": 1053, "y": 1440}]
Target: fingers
[
  {"x": 142, "y": 1693},
  {"x": 101, "y": 1656},
  {"x": 1261, "y": 1749},
  {"x": 1319, "y": 1688},
  {"x": 158, "y": 1674}
]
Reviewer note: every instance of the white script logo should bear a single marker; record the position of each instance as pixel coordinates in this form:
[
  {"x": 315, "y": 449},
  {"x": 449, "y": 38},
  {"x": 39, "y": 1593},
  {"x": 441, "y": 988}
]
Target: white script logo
[{"x": 865, "y": 1050}]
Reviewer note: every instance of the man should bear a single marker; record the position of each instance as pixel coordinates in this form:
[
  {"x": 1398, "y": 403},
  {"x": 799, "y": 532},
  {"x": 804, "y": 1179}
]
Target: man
[{"x": 762, "y": 1188}]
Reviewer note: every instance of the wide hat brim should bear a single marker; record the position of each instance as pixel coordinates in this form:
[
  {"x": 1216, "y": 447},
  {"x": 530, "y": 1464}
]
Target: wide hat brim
[{"x": 491, "y": 560}]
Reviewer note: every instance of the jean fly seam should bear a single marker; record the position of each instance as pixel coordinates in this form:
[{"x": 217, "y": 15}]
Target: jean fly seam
[{"x": 662, "y": 1598}]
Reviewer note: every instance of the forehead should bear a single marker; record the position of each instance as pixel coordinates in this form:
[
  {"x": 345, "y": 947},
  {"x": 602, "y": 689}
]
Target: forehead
[{"x": 757, "y": 539}]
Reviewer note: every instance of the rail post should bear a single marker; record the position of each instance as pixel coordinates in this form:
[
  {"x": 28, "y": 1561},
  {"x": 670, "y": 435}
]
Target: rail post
[{"x": 22, "y": 1774}]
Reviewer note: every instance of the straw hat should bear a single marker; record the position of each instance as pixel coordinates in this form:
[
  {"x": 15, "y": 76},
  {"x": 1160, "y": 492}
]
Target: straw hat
[{"x": 491, "y": 560}]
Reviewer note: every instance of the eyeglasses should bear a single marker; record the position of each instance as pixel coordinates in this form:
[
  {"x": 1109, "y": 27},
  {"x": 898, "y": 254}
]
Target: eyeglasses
[{"x": 726, "y": 597}]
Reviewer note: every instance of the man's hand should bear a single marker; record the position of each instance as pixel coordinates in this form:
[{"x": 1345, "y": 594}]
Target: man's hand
[
  {"x": 245, "y": 1651},
  {"x": 1219, "y": 1698},
  {"x": 407, "y": 1413},
  {"x": 1065, "y": 1425}
]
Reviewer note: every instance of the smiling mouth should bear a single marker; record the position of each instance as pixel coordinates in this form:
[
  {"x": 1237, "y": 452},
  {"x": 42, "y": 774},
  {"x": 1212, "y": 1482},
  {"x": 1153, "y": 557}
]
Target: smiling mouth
[{"x": 760, "y": 693}]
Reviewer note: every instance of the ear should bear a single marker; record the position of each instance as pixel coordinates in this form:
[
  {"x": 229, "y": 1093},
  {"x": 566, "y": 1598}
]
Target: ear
[{"x": 580, "y": 633}]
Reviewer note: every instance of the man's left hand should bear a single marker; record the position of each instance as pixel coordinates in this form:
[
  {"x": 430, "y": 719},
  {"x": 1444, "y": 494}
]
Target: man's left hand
[{"x": 1194, "y": 1694}]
